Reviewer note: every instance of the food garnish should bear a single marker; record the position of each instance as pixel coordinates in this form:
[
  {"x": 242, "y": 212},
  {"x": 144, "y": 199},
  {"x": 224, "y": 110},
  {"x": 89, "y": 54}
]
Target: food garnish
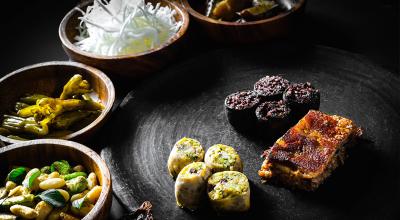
[{"x": 125, "y": 27}]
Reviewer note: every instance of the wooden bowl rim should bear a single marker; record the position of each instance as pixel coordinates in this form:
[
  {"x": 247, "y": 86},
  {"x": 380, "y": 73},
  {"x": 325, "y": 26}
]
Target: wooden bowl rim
[
  {"x": 200, "y": 16},
  {"x": 67, "y": 43},
  {"x": 105, "y": 172},
  {"x": 104, "y": 78}
]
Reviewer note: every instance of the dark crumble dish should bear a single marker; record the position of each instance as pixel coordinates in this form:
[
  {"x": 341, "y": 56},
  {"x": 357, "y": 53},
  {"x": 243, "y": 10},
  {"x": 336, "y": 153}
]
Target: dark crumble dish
[
  {"x": 273, "y": 115},
  {"x": 302, "y": 97},
  {"x": 240, "y": 107},
  {"x": 241, "y": 100},
  {"x": 308, "y": 152},
  {"x": 271, "y": 88}
]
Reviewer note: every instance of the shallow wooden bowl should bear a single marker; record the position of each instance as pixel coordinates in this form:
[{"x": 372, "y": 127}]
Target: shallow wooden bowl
[
  {"x": 275, "y": 27},
  {"x": 38, "y": 153},
  {"x": 48, "y": 79},
  {"x": 131, "y": 66}
]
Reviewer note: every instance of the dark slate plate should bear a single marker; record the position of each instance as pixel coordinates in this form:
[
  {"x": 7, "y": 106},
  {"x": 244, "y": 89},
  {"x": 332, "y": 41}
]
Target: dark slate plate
[{"x": 187, "y": 100}]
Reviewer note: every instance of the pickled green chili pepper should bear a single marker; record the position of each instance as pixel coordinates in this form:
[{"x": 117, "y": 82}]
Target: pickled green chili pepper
[
  {"x": 28, "y": 125},
  {"x": 20, "y": 105},
  {"x": 36, "y": 114},
  {"x": 4, "y": 131},
  {"x": 65, "y": 120},
  {"x": 16, "y": 137},
  {"x": 19, "y": 124},
  {"x": 75, "y": 86},
  {"x": 31, "y": 99}
]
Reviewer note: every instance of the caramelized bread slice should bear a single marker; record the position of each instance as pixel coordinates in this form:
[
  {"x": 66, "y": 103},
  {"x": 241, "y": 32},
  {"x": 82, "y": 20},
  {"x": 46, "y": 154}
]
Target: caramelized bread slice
[{"x": 308, "y": 152}]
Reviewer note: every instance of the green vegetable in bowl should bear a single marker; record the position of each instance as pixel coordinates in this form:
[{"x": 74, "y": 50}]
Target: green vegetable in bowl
[
  {"x": 61, "y": 167},
  {"x": 77, "y": 185},
  {"x": 37, "y": 115},
  {"x": 57, "y": 191},
  {"x": 74, "y": 175},
  {"x": 75, "y": 86},
  {"x": 53, "y": 197},
  {"x": 67, "y": 119},
  {"x": 32, "y": 99},
  {"x": 20, "y": 105},
  {"x": 30, "y": 178},
  {"x": 17, "y": 175},
  {"x": 26, "y": 200}
]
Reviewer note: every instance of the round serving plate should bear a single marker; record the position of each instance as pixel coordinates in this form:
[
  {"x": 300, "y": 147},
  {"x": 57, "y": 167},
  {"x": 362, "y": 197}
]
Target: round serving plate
[{"x": 187, "y": 100}]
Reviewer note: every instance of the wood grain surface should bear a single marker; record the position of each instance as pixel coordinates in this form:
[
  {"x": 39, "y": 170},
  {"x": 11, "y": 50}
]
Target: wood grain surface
[{"x": 187, "y": 100}]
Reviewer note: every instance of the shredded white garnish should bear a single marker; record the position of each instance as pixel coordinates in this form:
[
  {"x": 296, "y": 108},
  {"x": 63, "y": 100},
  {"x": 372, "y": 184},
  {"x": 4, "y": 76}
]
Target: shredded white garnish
[{"x": 122, "y": 27}]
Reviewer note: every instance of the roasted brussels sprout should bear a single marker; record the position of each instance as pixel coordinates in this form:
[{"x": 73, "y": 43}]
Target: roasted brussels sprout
[{"x": 77, "y": 185}]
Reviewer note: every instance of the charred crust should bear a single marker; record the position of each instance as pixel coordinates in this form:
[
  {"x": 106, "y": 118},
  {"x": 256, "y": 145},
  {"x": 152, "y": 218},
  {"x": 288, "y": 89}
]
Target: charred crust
[{"x": 308, "y": 152}]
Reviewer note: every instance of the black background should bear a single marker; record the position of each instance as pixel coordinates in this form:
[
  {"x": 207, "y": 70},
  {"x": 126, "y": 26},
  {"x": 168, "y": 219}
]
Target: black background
[
  {"x": 369, "y": 27},
  {"x": 29, "y": 32}
]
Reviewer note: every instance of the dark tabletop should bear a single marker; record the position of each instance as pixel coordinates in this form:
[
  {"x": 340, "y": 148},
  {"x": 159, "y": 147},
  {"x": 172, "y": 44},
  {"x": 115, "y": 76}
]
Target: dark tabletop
[{"x": 370, "y": 28}]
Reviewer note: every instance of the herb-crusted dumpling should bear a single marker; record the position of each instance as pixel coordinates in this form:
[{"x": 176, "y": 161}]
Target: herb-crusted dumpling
[
  {"x": 229, "y": 191},
  {"x": 190, "y": 186},
  {"x": 223, "y": 158},
  {"x": 184, "y": 152}
]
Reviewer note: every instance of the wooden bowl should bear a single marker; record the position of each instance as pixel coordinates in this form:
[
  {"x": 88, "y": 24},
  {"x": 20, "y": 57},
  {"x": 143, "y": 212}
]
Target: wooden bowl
[
  {"x": 132, "y": 66},
  {"x": 275, "y": 27},
  {"x": 38, "y": 153},
  {"x": 48, "y": 79}
]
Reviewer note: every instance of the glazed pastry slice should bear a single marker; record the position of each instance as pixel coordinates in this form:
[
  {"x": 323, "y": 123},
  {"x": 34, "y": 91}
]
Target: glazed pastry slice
[{"x": 307, "y": 154}]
